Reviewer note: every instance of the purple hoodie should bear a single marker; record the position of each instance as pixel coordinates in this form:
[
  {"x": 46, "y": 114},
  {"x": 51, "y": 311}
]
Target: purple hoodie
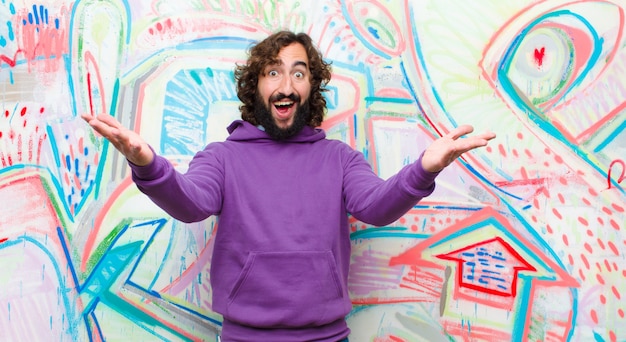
[{"x": 280, "y": 263}]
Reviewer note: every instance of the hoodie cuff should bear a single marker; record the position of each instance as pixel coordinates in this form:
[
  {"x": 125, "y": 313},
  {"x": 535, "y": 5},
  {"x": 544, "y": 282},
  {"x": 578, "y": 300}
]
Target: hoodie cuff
[
  {"x": 420, "y": 181},
  {"x": 149, "y": 172}
]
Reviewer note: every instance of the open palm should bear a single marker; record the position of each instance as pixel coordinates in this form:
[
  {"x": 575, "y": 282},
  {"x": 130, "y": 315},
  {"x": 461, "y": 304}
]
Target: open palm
[
  {"x": 128, "y": 142},
  {"x": 443, "y": 151}
]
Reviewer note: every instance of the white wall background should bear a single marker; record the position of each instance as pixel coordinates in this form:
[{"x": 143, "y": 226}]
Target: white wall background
[{"x": 522, "y": 241}]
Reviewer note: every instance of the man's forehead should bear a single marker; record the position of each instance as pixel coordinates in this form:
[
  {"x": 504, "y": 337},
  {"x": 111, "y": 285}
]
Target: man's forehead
[{"x": 296, "y": 53}]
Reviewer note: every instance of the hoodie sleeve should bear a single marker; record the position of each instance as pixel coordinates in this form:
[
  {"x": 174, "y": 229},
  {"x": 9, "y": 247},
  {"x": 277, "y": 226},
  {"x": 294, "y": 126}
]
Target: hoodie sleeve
[
  {"x": 189, "y": 197},
  {"x": 373, "y": 200}
]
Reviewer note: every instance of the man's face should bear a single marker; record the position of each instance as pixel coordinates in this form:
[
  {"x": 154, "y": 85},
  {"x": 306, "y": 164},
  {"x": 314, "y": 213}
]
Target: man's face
[{"x": 284, "y": 87}]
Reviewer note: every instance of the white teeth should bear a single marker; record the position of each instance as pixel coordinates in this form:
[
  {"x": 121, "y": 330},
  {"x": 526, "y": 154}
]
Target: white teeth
[{"x": 287, "y": 103}]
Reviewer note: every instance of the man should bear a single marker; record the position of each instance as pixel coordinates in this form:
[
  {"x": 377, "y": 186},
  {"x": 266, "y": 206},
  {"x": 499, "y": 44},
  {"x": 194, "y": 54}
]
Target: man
[{"x": 283, "y": 193}]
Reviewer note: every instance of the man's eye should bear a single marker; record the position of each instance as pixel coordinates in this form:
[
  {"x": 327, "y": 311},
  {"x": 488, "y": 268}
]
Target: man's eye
[
  {"x": 272, "y": 73},
  {"x": 299, "y": 74}
]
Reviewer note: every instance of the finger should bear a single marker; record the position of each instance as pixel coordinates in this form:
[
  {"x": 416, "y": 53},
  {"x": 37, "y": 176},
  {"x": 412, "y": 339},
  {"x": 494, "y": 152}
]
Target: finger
[
  {"x": 102, "y": 129},
  {"x": 460, "y": 131},
  {"x": 489, "y": 135},
  {"x": 486, "y": 135},
  {"x": 468, "y": 144},
  {"x": 109, "y": 120},
  {"x": 87, "y": 117}
]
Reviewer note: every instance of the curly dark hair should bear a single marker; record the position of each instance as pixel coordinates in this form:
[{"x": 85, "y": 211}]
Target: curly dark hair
[{"x": 266, "y": 52}]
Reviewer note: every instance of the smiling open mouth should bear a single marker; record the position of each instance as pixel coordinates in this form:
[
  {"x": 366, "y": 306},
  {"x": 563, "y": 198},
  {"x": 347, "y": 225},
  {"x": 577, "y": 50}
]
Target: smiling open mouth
[{"x": 283, "y": 107}]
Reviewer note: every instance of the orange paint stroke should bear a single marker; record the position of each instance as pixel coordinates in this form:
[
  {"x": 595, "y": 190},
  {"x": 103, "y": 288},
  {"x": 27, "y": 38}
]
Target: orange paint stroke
[{"x": 168, "y": 323}]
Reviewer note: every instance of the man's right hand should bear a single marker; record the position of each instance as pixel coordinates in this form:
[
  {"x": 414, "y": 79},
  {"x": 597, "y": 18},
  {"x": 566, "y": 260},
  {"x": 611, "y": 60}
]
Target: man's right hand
[{"x": 128, "y": 142}]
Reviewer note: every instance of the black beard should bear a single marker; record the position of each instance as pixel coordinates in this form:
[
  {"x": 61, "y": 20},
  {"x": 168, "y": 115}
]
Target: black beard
[{"x": 263, "y": 116}]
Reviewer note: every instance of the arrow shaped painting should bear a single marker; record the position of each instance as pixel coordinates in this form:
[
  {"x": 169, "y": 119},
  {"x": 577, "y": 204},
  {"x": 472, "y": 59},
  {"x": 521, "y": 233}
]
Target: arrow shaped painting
[
  {"x": 490, "y": 266},
  {"x": 497, "y": 268}
]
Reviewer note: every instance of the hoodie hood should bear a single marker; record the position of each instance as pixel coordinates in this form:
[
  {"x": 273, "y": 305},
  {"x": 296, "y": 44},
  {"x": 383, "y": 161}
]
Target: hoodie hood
[{"x": 244, "y": 131}]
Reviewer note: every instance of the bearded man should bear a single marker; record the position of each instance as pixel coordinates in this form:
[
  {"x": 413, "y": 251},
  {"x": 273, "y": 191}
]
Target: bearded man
[{"x": 283, "y": 193}]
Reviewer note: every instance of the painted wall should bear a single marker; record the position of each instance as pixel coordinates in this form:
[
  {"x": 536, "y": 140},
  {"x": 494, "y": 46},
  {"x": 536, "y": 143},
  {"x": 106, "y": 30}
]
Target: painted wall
[{"x": 522, "y": 241}]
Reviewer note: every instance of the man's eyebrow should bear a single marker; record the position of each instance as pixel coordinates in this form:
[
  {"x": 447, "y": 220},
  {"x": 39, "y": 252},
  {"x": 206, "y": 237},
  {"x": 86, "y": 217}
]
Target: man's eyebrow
[
  {"x": 298, "y": 63},
  {"x": 295, "y": 64}
]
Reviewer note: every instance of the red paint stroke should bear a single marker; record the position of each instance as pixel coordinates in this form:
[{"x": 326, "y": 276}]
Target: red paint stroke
[
  {"x": 389, "y": 338},
  {"x": 518, "y": 264},
  {"x": 93, "y": 70},
  {"x": 89, "y": 94},
  {"x": 414, "y": 256},
  {"x": 539, "y": 55},
  {"x": 25, "y": 141},
  {"x": 622, "y": 175},
  {"x": 476, "y": 333},
  {"x": 11, "y": 61},
  {"x": 3, "y": 240}
]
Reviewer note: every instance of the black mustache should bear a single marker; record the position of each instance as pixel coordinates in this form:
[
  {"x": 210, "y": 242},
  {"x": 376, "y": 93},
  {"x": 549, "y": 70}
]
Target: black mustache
[{"x": 280, "y": 97}]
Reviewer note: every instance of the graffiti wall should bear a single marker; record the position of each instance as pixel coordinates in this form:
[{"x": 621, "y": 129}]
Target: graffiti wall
[{"x": 522, "y": 241}]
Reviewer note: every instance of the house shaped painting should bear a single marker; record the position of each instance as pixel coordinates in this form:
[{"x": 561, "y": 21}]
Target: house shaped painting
[{"x": 498, "y": 281}]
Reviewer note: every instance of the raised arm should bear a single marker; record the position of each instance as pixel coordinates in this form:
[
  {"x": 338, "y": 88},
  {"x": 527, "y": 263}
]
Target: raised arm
[
  {"x": 191, "y": 197},
  {"x": 378, "y": 202}
]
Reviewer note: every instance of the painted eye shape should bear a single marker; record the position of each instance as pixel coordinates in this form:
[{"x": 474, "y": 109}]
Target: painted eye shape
[
  {"x": 560, "y": 65},
  {"x": 375, "y": 26}
]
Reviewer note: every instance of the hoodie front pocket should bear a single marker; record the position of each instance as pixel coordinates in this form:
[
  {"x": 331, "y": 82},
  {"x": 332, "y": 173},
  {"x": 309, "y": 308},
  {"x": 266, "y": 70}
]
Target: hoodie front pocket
[{"x": 287, "y": 289}]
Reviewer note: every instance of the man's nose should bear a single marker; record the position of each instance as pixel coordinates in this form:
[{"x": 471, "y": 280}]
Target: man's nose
[{"x": 285, "y": 86}]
